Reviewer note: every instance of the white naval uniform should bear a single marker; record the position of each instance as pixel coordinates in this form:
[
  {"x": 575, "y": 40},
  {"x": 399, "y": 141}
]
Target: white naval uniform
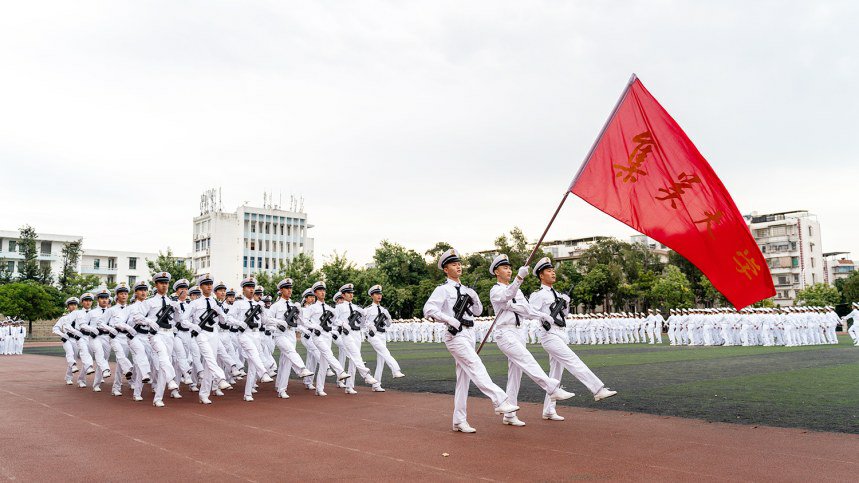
[
  {"x": 377, "y": 339},
  {"x": 249, "y": 341},
  {"x": 162, "y": 341},
  {"x": 206, "y": 340},
  {"x": 469, "y": 367},
  {"x": 512, "y": 308},
  {"x": 560, "y": 355},
  {"x": 322, "y": 340},
  {"x": 284, "y": 339},
  {"x": 69, "y": 345},
  {"x": 351, "y": 340},
  {"x": 118, "y": 344},
  {"x": 186, "y": 348}
]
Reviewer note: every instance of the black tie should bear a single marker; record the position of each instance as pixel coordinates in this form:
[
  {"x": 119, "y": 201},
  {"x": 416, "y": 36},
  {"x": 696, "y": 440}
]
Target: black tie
[
  {"x": 102, "y": 310},
  {"x": 350, "y": 308},
  {"x": 182, "y": 305},
  {"x": 208, "y": 305},
  {"x": 163, "y": 302},
  {"x": 515, "y": 314}
]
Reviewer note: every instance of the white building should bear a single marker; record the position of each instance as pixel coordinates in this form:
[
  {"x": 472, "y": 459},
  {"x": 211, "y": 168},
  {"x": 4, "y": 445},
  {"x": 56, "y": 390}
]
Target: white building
[
  {"x": 837, "y": 265},
  {"x": 113, "y": 266},
  {"x": 657, "y": 248},
  {"x": 49, "y": 248},
  {"x": 232, "y": 246},
  {"x": 570, "y": 248},
  {"x": 790, "y": 243}
]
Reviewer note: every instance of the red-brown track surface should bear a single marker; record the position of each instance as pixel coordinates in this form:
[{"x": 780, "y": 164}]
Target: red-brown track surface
[{"x": 53, "y": 431}]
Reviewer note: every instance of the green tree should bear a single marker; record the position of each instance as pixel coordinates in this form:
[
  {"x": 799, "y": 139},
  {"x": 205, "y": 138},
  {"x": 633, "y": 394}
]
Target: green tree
[
  {"x": 849, "y": 288},
  {"x": 28, "y": 301},
  {"x": 71, "y": 254},
  {"x": 438, "y": 249},
  {"x": 818, "y": 294},
  {"x": 28, "y": 268},
  {"x": 337, "y": 271},
  {"x": 672, "y": 290},
  {"x": 708, "y": 295},
  {"x": 79, "y": 284},
  {"x": 167, "y": 262},
  {"x": 301, "y": 271},
  {"x": 765, "y": 304}
]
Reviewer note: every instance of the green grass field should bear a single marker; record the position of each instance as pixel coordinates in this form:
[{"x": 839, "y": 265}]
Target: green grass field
[{"x": 814, "y": 387}]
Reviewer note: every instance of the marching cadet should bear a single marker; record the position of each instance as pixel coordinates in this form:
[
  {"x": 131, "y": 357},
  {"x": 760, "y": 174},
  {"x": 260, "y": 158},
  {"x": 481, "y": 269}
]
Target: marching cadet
[
  {"x": 99, "y": 342},
  {"x": 118, "y": 340},
  {"x": 511, "y": 307},
  {"x": 68, "y": 337},
  {"x": 201, "y": 320},
  {"x": 79, "y": 322},
  {"x": 348, "y": 321},
  {"x": 312, "y": 362},
  {"x": 228, "y": 358},
  {"x": 158, "y": 312},
  {"x": 245, "y": 314},
  {"x": 377, "y": 320},
  {"x": 320, "y": 318},
  {"x": 285, "y": 316},
  {"x": 854, "y": 327},
  {"x": 185, "y": 351},
  {"x": 339, "y": 340},
  {"x": 456, "y": 306},
  {"x": 138, "y": 342},
  {"x": 560, "y": 355}
]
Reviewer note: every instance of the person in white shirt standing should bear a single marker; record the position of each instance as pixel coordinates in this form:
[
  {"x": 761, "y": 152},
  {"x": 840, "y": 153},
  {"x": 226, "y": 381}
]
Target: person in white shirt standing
[{"x": 377, "y": 321}]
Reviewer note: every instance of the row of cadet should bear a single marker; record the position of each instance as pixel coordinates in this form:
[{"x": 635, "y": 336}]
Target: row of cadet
[{"x": 12, "y": 335}]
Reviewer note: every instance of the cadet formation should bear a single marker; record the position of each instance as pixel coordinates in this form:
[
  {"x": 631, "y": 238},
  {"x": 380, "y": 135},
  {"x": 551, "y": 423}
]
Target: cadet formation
[
  {"x": 12, "y": 334},
  {"x": 207, "y": 339}
]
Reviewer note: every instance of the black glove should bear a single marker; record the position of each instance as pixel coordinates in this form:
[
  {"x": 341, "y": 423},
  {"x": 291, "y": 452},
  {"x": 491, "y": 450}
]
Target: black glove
[
  {"x": 63, "y": 339},
  {"x": 282, "y": 328},
  {"x": 334, "y": 336},
  {"x": 345, "y": 331},
  {"x": 546, "y": 325},
  {"x": 317, "y": 332},
  {"x": 306, "y": 336},
  {"x": 372, "y": 334},
  {"x": 112, "y": 336},
  {"x": 76, "y": 337},
  {"x": 268, "y": 332},
  {"x": 194, "y": 333}
]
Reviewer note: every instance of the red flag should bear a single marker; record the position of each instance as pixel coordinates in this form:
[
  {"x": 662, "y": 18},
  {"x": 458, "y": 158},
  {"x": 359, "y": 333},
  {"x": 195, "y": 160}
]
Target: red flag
[{"x": 644, "y": 171}]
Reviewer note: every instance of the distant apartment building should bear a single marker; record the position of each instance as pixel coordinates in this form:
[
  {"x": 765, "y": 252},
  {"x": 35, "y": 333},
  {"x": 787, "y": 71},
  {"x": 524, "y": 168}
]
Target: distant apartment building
[
  {"x": 113, "y": 266},
  {"x": 837, "y": 265},
  {"x": 49, "y": 248},
  {"x": 790, "y": 243}
]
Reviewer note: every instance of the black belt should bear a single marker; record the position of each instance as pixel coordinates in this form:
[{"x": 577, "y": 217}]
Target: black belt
[
  {"x": 234, "y": 329},
  {"x": 207, "y": 328},
  {"x": 179, "y": 327},
  {"x": 103, "y": 332},
  {"x": 224, "y": 326}
]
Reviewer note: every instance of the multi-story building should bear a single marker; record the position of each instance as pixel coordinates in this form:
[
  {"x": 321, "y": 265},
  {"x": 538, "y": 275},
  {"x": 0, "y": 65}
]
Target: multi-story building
[
  {"x": 837, "y": 265},
  {"x": 113, "y": 267},
  {"x": 790, "y": 243},
  {"x": 49, "y": 248},
  {"x": 232, "y": 246},
  {"x": 657, "y": 248}
]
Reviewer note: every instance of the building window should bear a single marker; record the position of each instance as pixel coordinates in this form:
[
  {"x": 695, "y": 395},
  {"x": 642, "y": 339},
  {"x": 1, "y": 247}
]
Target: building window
[
  {"x": 783, "y": 281},
  {"x": 245, "y": 263},
  {"x": 132, "y": 279},
  {"x": 810, "y": 231},
  {"x": 253, "y": 227},
  {"x": 253, "y": 245},
  {"x": 44, "y": 264},
  {"x": 132, "y": 264},
  {"x": 46, "y": 248},
  {"x": 252, "y": 262},
  {"x": 795, "y": 278},
  {"x": 10, "y": 266},
  {"x": 812, "y": 263},
  {"x": 95, "y": 263},
  {"x": 794, "y": 262},
  {"x": 111, "y": 279},
  {"x": 111, "y": 264},
  {"x": 13, "y": 246}
]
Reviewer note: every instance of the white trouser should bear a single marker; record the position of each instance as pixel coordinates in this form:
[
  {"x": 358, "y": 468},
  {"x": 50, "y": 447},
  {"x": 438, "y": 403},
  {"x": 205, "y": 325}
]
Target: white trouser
[
  {"x": 469, "y": 368},
  {"x": 562, "y": 357},
  {"x": 69, "y": 347},
  {"x": 341, "y": 350},
  {"x": 249, "y": 342},
  {"x": 181, "y": 361},
  {"x": 192, "y": 352},
  {"x": 290, "y": 360},
  {"x": 162, "y": 347},
  {"x": 326, "y": 359},
  {"x": 226, "y": 351},
  {"x": 207, "y": 345},
  {"x": 312, "y": 361},
  {"x": 352, "y": 349},
  {"x": 97, "y": 346},
  {"x": 119, "y": 345},
  {"x": 512, "y": 343},
  {"x": 383, "y": 356}
]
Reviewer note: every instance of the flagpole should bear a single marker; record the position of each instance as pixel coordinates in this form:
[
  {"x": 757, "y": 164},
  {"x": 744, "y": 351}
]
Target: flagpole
[{"x": 567, "y": 193}]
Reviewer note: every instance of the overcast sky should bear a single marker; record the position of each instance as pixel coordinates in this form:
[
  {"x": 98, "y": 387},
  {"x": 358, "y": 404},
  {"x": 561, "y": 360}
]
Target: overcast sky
[{"x": 409, "y": 121}]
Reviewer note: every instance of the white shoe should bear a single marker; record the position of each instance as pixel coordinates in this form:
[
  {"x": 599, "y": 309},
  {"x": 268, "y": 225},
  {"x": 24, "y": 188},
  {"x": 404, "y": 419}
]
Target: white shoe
[
  {"x": 194, "y": 389},
  {"x": 514, "y": 421},
  {"x": 175, "y": 394},
  {"x": 310, "y": 387},
  {"x": 137, "y": 398},
  {"x": 379, "y": 389},
  {"x": 321, "y": 393},
  {"x": 329, "y": 373},
  {"x": 116, "y": 393},
  {"x": 506, "y": 408},
  {"x": 81, "y": 384},
  {"x": 248, "y": 398},
  {"x": 254, "y": 391},
  {"x": 283, "y": 395},
  {"x": 266, "y": 378},
  {"x": 105, "y": 373},
  {"x": 305, "y": 373},
  {"x": 235, "y": 372},
  {"x": 171, "y": 385},
  {"x": 463, "y": 428},
  {"x": 350, "y": 391},
  {"x": 224, "y": 385},
  {"x": 398, "y": 375},
  {"x": 219, "y": 393},
  {"x": 604, "y": 393},
  {"x": 89, "y": 370},
  {"x": 343, "y": 376},
  {"x": 69, "y": 383},
  {"x": 146, "y": 380},
  {"x": 553, "y": 417},
  {"x": 96, "y": 389},
  {"x": 75, "y": 368},
  {"x": 242, "y": 373},
  {"x": 340, "y": 385},
  {"x": 158, "y": 404},
  {"x": 205, "y": 400},
  {"x": 187, "y": 380},
  {"x": 370, "y": 380},
  {"x": 560, "y": 395}
]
